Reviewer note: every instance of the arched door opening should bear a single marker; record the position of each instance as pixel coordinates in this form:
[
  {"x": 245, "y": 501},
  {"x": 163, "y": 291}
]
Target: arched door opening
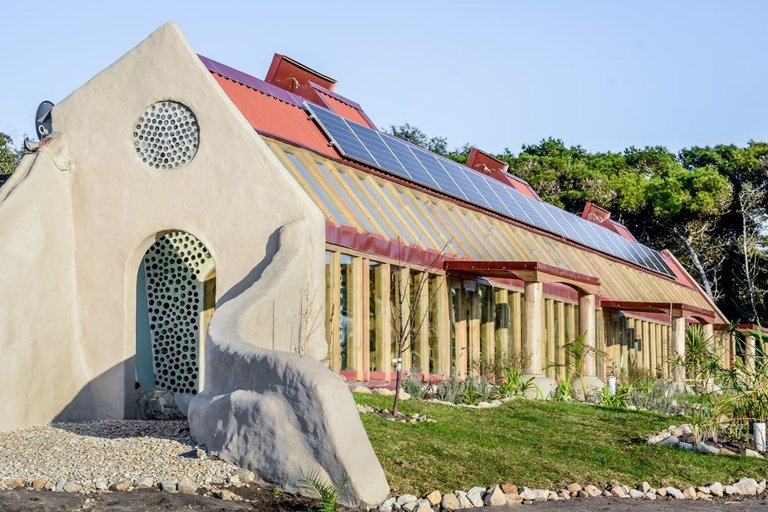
[{"x": 175, "y": 298}]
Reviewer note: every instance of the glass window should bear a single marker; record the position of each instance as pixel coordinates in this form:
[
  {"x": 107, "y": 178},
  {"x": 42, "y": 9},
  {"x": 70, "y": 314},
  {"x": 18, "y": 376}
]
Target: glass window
[
  {"x": 434, "y": 341},
  {"x": 346, "y": 331},
  {"x": 487, "y": 342},
  {"x": 454, "y": 292},
  {"x": 374, "y": 306},
  {"x": 394, "y": 307},
  {"x": 418, "y": 320}
]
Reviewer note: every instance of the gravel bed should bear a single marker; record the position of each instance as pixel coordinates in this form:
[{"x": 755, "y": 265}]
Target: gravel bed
[{"x": 100, "y": 454}]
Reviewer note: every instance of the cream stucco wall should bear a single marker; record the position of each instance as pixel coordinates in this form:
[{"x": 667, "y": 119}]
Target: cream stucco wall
[{"x": 75, "y": 230}]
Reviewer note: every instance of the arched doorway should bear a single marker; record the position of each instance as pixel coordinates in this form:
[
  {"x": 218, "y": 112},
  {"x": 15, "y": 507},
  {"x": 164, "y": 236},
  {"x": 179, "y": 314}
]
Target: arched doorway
[{"x": 175, "y": 298}]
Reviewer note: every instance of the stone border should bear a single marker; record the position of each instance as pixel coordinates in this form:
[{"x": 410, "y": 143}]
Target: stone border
[
  {"x": 511, "y": 495},
  {"x": 670, "y": 437}
]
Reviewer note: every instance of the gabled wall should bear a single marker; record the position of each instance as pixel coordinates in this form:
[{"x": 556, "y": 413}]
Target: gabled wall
[{"x": 74, "y": 234}]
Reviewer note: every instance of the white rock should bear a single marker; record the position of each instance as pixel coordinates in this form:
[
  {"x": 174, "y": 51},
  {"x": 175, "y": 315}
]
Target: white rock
[
  {"x": 475, "y": 496},
  {"x": 753, "y": 453},
  {"x": 495, "y": 497},
  {"x": 675, "y": 493},
  {"x": 101, "y": 484},
  {"x": 706, "y": 448},
  {"x": 463, "y": 500},
  {"x": 362, "y": 390},
  {"x": 144, "y": 483},
  {"x": 592, "y": 491},
  {"x": 644, "y": 487},
  {"x": 658, "y": 437},
  {"x": 423, "y": 506},
  {"x": 746, "y": 486},
  {"x": 669, "y": 441},
  {"x": 406, "y": 498},
  {"x": 730, "y": 490},
  {"x": 388, "y": 505},
  {"x": 634, "y": 493},
  {"x": 187, "y": 486},
  {"x": 167, "y": 485},
  {"x": 716, "y": 488},
  {"x": 527, "y": 494},
  {"x": 71, "y": 487}
]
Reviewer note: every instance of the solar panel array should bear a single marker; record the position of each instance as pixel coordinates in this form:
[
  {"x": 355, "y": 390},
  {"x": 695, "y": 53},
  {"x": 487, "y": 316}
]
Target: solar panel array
[{"x": 395, "y": 156}]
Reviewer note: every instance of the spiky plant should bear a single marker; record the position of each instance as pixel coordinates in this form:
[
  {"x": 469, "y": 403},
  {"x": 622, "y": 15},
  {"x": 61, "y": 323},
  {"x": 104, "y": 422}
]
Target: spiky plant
[{"x": 327, "y": 492}]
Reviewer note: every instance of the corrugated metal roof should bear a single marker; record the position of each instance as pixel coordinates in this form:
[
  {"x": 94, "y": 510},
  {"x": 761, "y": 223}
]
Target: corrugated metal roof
[{"x": 373, "y": 204}]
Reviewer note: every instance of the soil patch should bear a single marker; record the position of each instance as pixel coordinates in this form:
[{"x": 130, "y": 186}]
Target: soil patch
[{"x": 259, "y": 500}]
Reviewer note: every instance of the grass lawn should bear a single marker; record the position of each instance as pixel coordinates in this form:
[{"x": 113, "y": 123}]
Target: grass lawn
[{"x": 538, "y": 444}]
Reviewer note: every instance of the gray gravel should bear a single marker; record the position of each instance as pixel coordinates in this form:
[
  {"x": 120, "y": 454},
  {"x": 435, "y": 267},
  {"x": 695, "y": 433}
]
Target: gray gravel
[{"x": 94, "y": 454}]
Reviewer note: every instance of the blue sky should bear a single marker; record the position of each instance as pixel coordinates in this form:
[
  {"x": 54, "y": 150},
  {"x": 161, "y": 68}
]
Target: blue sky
[{"x": 603, "y": 74}]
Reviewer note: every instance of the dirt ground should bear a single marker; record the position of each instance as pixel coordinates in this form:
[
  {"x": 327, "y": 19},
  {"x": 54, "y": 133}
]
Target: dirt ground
[{"x": 263, "y": 500}]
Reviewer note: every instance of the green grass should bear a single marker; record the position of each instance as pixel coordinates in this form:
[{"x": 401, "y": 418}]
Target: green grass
[{"x": 536, "y": 443}]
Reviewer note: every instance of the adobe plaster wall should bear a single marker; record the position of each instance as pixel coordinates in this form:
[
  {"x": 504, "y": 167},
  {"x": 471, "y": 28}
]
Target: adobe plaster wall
[
  {"x": 39, "y": 328},
  {"x": 74, "y": 233}
]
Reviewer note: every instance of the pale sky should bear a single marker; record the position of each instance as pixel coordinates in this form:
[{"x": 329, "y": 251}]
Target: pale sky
[{"x": 603, "y": 74}]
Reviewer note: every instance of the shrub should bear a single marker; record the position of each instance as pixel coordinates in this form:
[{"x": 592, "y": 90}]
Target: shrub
[{"x": 412, "y": 386}]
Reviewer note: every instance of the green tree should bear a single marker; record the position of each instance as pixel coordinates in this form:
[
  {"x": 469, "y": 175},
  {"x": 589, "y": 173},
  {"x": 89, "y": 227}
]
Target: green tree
[{"x": 9, "y": 156}]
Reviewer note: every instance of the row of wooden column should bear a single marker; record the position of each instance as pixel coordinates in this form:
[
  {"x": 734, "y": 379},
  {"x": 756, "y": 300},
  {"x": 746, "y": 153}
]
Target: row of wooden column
[{"x": 528, "y": 331}]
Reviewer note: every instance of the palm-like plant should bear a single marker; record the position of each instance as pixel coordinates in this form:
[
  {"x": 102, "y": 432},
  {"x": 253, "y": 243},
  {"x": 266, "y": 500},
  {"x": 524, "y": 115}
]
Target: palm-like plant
[{"x": 576, "y": 354}]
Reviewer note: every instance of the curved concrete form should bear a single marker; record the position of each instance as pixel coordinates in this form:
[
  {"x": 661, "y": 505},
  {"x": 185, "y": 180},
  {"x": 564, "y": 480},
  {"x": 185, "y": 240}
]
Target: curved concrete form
[{"x": 280, "y": 414}]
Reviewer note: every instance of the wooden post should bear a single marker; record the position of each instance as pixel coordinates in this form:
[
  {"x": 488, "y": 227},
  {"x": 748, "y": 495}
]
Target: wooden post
[
  {"x": 487, "y": 328},
  {"x": 600, "y": 343},
  {"x": 355, "y": 309},
  {"x": 502, "y": 334},
  {"x": 749, "y": 351},
  {"x": 422, "y": 322},
  {"x": 460, "y": 356},
  {"x": 443, "y": 361},
  {"x": 549, "y": 322},
  {"x": 678, "y": 346},
  {"x": 474, "y": 331},
  {"x": 534, "y": 312},
  {"x": 383, "y": 320},
  {"x": 560, "y": 340},
  {"x": 365, "y": 318},
  {"x": 647, "y": 345},
  {"x": 333, "y": 311},
  {"x": 653, "y": 349},
  {"x": 516, "y": 324},
  {"x": 587, "y": 328},
  {"x": 404, "y": 299}
]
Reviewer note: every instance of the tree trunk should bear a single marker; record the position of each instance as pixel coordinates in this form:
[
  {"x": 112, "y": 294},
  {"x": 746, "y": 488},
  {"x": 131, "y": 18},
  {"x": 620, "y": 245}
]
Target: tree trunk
[{"x": 696, "y": 262}]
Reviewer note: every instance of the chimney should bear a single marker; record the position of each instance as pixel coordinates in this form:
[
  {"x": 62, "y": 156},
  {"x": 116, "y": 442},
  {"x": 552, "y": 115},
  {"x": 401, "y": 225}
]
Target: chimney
[
  {"x": 481, "y": 161},
  {"x": 595, "y": 214},
  {"x": 295, "y": 77}
]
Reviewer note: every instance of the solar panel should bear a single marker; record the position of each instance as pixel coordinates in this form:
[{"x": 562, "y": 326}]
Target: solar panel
[{"x": 395, "y": 156}]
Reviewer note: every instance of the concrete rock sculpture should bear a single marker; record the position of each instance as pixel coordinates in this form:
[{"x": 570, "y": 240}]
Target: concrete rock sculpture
[{"x": 282, "y": 415}]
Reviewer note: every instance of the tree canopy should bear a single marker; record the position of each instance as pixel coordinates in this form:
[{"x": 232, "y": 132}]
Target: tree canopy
[
  {"x": 708, "y": 205},
  {"x": 9, "y": 156}
]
